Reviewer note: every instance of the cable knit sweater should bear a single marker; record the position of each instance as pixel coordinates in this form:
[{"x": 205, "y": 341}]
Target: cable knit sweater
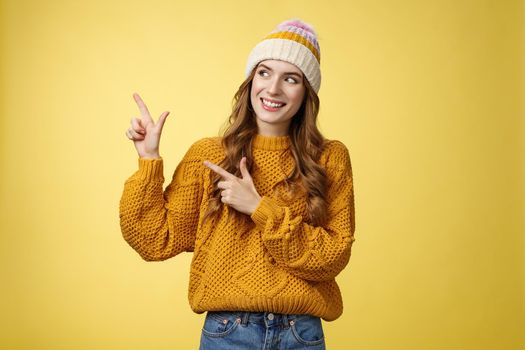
[{"x": 277, "y": 261}]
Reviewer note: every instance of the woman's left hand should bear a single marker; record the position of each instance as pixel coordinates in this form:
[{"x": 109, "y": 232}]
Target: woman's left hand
[{"x": 239, "y": 193}]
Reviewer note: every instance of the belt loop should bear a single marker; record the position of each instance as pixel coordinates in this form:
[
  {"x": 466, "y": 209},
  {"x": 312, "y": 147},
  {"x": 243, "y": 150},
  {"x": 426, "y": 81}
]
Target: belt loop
[
  {"x": 285, "y": 321},
  {"x": 245, "y": 317}
]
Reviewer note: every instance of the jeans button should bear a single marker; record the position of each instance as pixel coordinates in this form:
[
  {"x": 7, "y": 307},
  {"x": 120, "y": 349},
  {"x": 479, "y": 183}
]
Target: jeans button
[{"x": 270, "y": 316}]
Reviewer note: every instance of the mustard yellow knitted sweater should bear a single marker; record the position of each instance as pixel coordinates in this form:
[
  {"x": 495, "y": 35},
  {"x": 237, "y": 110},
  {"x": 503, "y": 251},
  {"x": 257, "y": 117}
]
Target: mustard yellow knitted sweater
[{"x": 276, "y": 261}]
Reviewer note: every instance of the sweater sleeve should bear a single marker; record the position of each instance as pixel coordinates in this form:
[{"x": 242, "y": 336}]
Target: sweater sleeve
[
  {"x": 161, "y": 224},
  {"x": 315, "y": 253}
]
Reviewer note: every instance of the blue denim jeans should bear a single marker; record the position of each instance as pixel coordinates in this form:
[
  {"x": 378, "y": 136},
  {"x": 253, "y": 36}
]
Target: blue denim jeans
[{"x": 231, "y": 330}]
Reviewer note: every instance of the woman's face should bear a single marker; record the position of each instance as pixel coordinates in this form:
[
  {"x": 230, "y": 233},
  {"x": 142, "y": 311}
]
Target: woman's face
[{"x": 276, "y": 95}]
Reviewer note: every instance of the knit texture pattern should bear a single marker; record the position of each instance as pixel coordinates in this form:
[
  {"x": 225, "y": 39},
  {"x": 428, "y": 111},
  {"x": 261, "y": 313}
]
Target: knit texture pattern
[{"x": 275, "y": 260}]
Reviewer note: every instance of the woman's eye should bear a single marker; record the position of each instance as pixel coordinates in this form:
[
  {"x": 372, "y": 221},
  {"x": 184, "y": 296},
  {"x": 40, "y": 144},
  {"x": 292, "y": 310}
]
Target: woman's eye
[{"x": 263, "y": 72}]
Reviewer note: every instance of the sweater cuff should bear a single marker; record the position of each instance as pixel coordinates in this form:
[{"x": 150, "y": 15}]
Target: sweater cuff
[
  {"x": 267, "y": 208},
  {"x": 151, "y": 170}
]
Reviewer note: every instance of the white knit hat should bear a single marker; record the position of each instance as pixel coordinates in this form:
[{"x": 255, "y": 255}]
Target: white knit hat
[{"x": 293, "y": 41}]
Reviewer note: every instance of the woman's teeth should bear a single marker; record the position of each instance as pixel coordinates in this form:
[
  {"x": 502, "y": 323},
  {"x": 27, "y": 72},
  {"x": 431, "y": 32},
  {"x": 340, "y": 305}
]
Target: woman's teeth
[{"x": 271, "y": 104}]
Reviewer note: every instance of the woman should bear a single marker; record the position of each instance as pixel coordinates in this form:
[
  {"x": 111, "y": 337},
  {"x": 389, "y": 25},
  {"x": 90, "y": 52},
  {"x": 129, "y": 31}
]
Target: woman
[{"x": 267, "y": 209}]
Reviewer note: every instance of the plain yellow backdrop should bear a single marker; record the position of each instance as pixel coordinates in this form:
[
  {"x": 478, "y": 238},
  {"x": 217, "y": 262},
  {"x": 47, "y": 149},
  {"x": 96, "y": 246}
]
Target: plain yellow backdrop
[{"x": 427, "y": 96}]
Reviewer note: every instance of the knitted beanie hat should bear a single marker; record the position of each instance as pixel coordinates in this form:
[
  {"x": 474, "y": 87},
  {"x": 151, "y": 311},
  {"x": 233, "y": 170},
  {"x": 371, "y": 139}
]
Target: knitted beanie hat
[{"x": 293, "y": 41}]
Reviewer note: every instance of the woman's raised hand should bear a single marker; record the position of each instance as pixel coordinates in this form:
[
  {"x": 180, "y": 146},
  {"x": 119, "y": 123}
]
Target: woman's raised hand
[{"x": 144, "y": 133}]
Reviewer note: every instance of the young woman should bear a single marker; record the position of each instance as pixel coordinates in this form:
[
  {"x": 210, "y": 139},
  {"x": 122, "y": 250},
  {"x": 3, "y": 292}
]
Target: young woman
[{"x": 267, "y": 209}]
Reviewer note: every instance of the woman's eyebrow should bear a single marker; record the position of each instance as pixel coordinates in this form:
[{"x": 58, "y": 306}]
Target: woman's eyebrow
[{"x": 289, "y": 73}]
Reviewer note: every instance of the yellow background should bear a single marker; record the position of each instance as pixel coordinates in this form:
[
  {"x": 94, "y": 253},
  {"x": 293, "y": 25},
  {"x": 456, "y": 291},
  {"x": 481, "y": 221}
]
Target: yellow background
[{"x": 427, "y": 96}]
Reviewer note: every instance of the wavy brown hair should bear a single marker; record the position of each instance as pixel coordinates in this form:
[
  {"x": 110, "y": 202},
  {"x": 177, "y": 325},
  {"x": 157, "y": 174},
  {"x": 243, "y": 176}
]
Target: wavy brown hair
[{"x": 306, "y": 145}]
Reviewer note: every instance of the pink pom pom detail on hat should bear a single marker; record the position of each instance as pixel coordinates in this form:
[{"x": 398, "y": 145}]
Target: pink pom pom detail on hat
[{"x": 299, "y": 24}]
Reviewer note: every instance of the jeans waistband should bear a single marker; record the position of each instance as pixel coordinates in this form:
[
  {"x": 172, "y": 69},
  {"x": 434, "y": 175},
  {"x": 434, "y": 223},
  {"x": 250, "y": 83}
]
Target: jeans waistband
[{"x": 266, "y": 318}]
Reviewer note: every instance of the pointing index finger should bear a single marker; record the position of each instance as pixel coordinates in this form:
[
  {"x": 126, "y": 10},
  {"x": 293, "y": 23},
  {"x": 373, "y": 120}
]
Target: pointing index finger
[
  {"x": 220, "y": 170},
  {"x": 142, "y": 106}
]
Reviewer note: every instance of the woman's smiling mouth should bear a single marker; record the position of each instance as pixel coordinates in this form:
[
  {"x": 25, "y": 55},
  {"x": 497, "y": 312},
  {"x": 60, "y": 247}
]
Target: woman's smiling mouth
[{"x": 269, "y": 105}]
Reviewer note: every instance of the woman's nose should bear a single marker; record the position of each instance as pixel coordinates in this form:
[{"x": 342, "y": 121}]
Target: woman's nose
[{"x": 274, "y": 87}]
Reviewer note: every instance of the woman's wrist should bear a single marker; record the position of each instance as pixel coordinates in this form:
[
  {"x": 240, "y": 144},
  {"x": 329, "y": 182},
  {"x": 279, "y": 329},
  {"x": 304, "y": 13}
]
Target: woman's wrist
[
  {"x": 150, "y": 156},
  {"x": 255, "y": 205}
]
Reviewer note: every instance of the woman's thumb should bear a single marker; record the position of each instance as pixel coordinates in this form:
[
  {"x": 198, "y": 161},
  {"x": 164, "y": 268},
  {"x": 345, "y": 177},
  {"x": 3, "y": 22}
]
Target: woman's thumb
[
  {"x": 162, "y": 120},
  {"x": 244, "y": 170}
]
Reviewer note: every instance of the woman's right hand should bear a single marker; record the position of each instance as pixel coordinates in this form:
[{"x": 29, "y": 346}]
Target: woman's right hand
[{"x": 144, "y": 133}]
